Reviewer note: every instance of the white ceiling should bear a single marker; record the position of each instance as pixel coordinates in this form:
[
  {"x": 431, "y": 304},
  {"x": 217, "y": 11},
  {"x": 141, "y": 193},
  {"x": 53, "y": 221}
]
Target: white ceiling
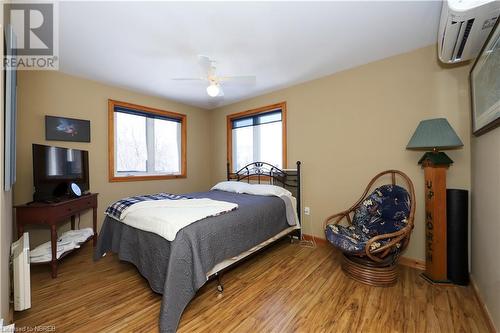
[{"x": 143, "y": 45}]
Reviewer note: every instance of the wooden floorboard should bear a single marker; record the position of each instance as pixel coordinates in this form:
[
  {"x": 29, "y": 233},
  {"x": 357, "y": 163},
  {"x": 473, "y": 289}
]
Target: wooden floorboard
[{"x": 287, "y": 288}]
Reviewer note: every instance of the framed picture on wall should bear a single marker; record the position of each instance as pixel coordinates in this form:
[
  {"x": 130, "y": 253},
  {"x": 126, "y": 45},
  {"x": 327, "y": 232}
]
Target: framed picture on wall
[
  {"x": 67, "y": 129},
  {"x": 485, "y": 85}
]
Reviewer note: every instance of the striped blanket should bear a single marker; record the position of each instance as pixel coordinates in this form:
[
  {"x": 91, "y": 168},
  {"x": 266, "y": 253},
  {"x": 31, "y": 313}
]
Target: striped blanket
[{"x": 116, "y": 209}]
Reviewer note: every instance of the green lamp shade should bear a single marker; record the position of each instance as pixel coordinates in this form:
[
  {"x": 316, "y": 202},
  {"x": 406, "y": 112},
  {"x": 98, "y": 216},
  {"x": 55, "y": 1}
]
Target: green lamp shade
[{"x": 434, "y": 134}]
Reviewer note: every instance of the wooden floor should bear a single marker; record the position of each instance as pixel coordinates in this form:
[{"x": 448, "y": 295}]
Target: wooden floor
[{"x": 287, "y": 288}]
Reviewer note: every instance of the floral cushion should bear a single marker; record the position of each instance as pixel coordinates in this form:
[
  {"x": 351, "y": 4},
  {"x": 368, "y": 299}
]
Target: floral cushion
[
  {"x": 384, "y": 211},
  {"x": 348, "y": 239}
]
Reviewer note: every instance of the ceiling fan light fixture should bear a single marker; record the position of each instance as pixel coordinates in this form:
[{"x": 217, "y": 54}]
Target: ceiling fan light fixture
[{"x": 213, "y": 90}]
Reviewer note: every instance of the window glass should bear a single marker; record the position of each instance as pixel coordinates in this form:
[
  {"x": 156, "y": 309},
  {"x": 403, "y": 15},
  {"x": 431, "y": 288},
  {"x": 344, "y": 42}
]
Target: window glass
[
  {"x": 271, "y": 144},
  {"x": 242, "y": 147},
  {"x": 167, "y": 146},
  {"x": 131, "y": 148},
  {"x": 147, "y": 143},
  {"x": 257, "y": 138}
]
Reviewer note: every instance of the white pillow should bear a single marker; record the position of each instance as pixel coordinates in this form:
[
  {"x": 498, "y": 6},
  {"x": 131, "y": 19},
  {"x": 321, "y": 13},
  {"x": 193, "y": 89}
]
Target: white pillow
[
  {"x": 265, "y": 189},
  {"x": 231, "y": 186},
  {"x": 249, "y": 188}
]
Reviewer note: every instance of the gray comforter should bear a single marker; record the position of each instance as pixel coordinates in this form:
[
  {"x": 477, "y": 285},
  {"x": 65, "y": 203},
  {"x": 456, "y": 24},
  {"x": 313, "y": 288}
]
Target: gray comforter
[{"x": 178, "y": 269}]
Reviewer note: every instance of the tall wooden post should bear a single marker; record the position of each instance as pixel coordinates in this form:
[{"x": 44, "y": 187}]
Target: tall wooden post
[{"x": 435, "y": 166}]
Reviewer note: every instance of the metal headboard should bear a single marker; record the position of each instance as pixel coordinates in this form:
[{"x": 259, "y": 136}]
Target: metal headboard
[{"x": 262, "y": 172}]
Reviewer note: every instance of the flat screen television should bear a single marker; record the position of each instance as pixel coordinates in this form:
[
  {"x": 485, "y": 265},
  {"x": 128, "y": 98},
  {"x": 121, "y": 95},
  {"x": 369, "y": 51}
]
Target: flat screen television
[{"x": 55, "y": 168}]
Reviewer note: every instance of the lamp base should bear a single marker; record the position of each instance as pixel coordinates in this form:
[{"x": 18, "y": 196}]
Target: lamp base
[{"x": 435, "y": 165}]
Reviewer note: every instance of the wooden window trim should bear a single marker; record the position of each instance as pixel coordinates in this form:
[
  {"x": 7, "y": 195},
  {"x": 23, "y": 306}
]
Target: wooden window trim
[
  {"x": 111, "y": 142},
  {"x": 252, "y": 112}
]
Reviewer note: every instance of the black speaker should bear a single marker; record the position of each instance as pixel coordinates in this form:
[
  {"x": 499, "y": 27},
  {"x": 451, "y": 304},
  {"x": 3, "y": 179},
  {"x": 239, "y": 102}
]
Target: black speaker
[{"x": 457, "y": 212}]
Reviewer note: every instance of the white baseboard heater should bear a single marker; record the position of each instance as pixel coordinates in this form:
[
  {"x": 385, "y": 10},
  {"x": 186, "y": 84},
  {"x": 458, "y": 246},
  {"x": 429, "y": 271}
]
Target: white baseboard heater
[
  {"x": 7, "y": 329},
  {"x": 20, "y": 253}
]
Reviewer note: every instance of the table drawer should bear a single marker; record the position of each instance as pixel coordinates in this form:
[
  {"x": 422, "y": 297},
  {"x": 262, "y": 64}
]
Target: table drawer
[
  {"x": 85, "y": 203},
  {"x": 75, "y": 206}
]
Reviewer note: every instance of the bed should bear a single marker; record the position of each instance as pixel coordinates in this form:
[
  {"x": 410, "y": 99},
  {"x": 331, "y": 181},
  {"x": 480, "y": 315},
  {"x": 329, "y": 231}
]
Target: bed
[{"x": 204, "y": 249}]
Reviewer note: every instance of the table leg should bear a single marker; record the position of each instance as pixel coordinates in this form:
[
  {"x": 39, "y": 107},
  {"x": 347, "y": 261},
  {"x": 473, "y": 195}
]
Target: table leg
[
  {"x": 94, "y": 224},
  {"x": 72, "y": 222},
  {"x": 53, "y": 243}
]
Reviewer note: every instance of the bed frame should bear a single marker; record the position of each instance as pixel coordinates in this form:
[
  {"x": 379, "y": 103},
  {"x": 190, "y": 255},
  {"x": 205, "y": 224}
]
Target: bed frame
[
  {"x": 262, "y": 172},
  {"x": 265, "y": 173}
]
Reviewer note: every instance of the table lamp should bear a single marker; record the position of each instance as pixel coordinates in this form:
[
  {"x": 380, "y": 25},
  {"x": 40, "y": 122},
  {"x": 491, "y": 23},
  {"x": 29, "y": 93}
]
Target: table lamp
[{"x": 434, "y": 135}]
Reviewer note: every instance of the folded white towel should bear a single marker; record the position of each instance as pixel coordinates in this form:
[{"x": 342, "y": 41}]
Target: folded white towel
[
  {"x": 43, "y": 252},
  {"x": 68, "y": 241},
  {"x": 78, "y": 236}
]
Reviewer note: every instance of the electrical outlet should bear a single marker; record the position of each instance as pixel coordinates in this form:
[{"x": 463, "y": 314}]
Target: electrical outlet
[{"x": 307, "y": 210}]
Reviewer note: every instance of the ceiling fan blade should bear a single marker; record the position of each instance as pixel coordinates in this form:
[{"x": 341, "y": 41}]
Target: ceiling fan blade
[
  {"x": 240, "y": 78},
  {"x": 189, "y": 79},
  {"x": 206, "y": 65},
  {"x": 221, "y": 92},
  {"x": 204, "y": 60}
]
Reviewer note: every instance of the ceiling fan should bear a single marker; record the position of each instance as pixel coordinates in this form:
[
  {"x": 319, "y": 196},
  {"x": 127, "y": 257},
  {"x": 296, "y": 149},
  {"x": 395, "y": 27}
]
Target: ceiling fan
[{"x": 209, "y": 74}]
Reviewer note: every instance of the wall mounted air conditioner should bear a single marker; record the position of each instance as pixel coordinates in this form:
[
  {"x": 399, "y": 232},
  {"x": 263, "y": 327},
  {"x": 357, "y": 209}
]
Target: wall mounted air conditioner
[
  {"x": 20, "y": 252},
  {"x": 464, "y": 27}
]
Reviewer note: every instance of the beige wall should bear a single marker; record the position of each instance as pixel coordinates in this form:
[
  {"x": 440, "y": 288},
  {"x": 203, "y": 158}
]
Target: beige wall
[
  {"x": 486, "y": 220},
  {"x": 347, "y": 127},
  {"x": 51, "y": 93},
  {"x": 5, "y": 213},
  {"x": 5, "y": 237}
]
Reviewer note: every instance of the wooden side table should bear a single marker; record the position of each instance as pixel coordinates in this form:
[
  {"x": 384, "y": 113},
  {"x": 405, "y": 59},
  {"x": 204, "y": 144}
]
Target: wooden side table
[{"x": 53, "y": 214}]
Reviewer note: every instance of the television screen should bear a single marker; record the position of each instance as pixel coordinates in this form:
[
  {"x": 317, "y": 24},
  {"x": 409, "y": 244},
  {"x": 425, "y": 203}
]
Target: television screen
[{"x": 54, "y": 168}]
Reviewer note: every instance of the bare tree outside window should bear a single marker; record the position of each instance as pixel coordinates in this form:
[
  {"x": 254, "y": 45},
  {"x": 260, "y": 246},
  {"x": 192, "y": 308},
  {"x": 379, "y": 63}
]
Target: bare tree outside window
[{"x": 147, "y": 143}]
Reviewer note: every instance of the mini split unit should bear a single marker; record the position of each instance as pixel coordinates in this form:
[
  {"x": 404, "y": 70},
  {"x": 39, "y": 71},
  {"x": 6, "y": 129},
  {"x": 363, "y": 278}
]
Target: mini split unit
[{"x": 464, "y": 27}]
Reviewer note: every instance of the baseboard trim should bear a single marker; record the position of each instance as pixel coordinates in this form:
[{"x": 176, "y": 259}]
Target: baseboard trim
[
  {"x": 405, "y": 261},
  {"x": 413, "y": 263},
  {"x": 484, "y": 309},
  {"x": 316, "y": 239}
]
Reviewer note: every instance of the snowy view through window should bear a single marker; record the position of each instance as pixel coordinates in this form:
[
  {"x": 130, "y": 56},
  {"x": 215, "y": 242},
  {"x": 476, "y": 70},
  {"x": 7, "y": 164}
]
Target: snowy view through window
[
  {"x": 147, "y": 145},
  {"x": 258, "y": 143}
]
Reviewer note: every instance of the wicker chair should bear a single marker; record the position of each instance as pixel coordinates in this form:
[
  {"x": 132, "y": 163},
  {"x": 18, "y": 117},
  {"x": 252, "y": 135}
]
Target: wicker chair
[{"x": 378, "y": 230}]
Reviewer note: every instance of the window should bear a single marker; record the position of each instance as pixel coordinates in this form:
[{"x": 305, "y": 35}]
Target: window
[
  {"x": 145, "y": 143},
  {"x": 257, "y": 135}
]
